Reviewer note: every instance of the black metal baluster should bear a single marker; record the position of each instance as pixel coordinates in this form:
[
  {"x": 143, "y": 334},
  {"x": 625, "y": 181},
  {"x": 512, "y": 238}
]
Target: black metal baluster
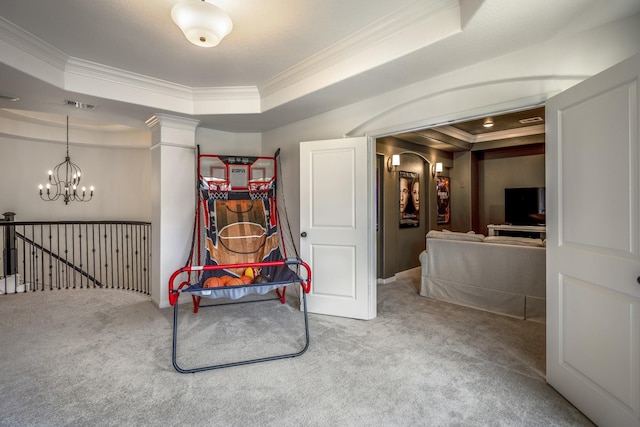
[
  {"x": 144, "y": 258},
  {"x": 147, "y": 258},
  {"x": 79, "y": 241},
  {"x": 106, "y": 255},
  {"x": 73, "y": 255},
  {"x": 136, "y": 259},
  {"x": 33, "y": 265},
  {"x": 43, "y": 261},
  {"x": 116, "y": 258},
  {"x": 123, "y": 270},
  {"x": 93, "y": 250},
  {"x": 57, "y": 259},
  {"x": 127, "y": 271}
]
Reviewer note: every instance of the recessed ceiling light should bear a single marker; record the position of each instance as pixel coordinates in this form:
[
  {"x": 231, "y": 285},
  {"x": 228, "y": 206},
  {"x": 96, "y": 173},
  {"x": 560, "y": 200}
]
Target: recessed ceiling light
[
  {"x": 8, "y": 97},
  {"x": 79, "y": 104},
  {"x": 488, "y": 122}
]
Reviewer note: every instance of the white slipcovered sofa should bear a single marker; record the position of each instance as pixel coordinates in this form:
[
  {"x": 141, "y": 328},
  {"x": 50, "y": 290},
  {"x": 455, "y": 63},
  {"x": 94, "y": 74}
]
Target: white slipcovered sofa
[{"x": 500, "y": 274}]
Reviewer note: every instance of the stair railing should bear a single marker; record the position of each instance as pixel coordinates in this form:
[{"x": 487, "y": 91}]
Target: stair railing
[{"x": 75, "y": 255}]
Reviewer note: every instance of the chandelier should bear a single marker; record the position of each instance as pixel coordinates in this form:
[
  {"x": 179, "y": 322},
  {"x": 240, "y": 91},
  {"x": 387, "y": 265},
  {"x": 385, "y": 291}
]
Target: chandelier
[{"x": 64, "y": 181}]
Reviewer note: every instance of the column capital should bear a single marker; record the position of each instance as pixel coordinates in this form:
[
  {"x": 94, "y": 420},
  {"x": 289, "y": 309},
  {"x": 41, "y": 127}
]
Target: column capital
[
  {"x": 176, "y": 122},
  {"x": 172, "y": 130}
]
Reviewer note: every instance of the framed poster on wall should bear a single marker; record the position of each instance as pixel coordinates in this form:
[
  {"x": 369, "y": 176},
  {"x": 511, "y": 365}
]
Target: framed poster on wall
[
  {"x": 442, "y": 193},
  {"x": 409, "y": 199}
]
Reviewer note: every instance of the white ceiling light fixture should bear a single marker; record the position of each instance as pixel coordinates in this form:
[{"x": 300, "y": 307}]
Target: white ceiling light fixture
[
  {"x": 488, "y": 122},
  {"x": 202, "y": 23}
]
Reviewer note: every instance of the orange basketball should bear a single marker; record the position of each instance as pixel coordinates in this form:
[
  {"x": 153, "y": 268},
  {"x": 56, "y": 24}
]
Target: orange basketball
[
  {"x": 235, "y": 281},
  {"x": 212, "y": 282}
]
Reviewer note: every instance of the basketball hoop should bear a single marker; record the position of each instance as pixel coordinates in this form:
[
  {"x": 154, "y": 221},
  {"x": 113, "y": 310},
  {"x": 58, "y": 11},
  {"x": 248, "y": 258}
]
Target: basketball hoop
[
  {"x": 218, "y": 188},
  {"x": 260, "y": 189}
]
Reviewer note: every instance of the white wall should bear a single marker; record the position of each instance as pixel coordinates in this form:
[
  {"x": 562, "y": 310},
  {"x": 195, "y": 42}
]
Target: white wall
[
  {"x": 520, "y": 79},
  {"x": 119, "y": 173},
  {"x": 118, "y": 164},
  {"x": 225, "y": 143}
]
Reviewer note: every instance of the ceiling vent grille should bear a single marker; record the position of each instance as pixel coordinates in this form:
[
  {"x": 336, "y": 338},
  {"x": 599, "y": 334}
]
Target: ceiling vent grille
[
  {"x": 79, "y": 104},
  {"x": 530, "y": 120}
]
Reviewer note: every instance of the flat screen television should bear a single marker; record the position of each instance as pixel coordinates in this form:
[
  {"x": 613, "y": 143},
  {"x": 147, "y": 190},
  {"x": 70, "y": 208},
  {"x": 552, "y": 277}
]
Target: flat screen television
[{"x": 524, "y": 206}]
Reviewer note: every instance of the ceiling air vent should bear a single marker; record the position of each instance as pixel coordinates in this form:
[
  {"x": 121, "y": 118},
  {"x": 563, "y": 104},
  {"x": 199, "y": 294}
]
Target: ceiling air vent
[
  {"x": 530, "y": 120},
  {"x": 8, "y": 97},
  {"x": 78, "y": 104}
]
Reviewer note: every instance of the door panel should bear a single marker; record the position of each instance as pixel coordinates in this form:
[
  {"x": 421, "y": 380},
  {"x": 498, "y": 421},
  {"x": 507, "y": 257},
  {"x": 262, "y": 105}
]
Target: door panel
[
  {"x": 599, "y": 358},
  {"x": 336, "y": 207},
  {"x": 329, "y": 259},
  {"x": 593, "y": 298},
  {"x": 586, "y": 150}
]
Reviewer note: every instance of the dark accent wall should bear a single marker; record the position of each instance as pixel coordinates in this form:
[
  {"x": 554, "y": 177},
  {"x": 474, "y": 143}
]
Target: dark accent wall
[
  {"x": 402, "y": 246},
  {"x": 500, "y": 169},
  {"x": 478, "y": 180}
]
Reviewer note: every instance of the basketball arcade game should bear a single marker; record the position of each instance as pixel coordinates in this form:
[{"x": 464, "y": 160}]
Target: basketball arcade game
[{"x": 238, "y": 249}]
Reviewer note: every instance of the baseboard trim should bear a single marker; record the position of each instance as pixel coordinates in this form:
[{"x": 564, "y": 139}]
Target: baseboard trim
[{"x": 412, "y": 272}]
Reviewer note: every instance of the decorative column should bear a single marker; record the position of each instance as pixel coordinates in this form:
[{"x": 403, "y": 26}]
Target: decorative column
[{"x": 173, "y": 160}]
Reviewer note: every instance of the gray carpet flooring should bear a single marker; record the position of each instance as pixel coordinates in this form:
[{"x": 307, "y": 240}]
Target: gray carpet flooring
[{"x": 103, "y": 358}]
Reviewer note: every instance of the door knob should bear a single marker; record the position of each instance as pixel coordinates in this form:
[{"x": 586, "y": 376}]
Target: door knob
[{"x": 304, "y": 234}]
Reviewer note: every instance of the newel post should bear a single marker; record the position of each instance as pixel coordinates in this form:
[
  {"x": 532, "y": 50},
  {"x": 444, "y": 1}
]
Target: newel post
[{"x": 9, "y": 254}]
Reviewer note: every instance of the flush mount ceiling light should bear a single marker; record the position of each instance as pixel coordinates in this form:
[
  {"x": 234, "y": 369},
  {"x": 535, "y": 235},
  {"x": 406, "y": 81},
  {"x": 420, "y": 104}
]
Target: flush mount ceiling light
[
  {"x": 488, "y": 122},
  {"x": 202, "y": 23}
]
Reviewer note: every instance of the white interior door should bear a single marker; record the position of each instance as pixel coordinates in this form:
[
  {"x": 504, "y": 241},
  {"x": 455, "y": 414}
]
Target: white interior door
[
  {"x": 593, "y": 254},
  {"x": 336, "y": 211}
]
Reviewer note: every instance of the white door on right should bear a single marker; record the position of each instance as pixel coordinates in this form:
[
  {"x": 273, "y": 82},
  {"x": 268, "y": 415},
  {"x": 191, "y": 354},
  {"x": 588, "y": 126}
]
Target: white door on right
[{"x": 593, "y": 245}]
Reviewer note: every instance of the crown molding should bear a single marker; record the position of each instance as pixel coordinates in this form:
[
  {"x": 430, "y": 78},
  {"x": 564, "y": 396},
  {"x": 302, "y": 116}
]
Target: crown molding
[
  {"x": 102, "y": 80},
  {"x": 102, "y": 72},
  {"x": 31, "y": 45},
  {"x": 398, "y": 34},
  {"x": 370, "y": 36},
  {"x": 511, "y": 133},
  {"x": 95, "y": 71},
  {"x": 175, "y": 122},
  {"x": 492, "y": 136},
  {"x": 456, "y": 133},
  {"x": 227, "y": 93}
]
